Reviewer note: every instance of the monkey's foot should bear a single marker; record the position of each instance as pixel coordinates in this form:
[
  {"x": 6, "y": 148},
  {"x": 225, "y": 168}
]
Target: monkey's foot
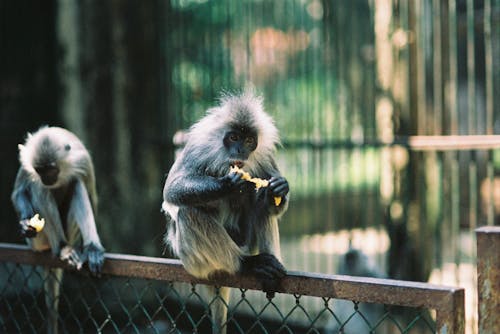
[
  {"x": 94, "y": 255},
  {"x": 70, "y": 255},
  {"x": 267, "y": 269}
]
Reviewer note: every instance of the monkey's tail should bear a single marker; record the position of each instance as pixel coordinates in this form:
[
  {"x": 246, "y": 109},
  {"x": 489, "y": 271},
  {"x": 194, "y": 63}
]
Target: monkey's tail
[
  {"x": 52, "y": 286},
  {"x": 218, "y": 307}
]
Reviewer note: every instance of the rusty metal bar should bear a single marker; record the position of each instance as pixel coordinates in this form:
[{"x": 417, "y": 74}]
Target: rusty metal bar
[
  {"x": 444, "y": 143},
  {"x": 415, "y": 143},
  {"x": 447, "y": 301},
  {"x": 488, "y": 274}
]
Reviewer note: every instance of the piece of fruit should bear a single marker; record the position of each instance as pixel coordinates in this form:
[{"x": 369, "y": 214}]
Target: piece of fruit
[
  {"x": 259, "y": 183},
  {"x": 37, "y": 223}
]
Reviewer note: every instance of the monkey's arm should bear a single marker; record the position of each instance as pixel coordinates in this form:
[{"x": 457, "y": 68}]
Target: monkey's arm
[
  {"x": 81, "y": 214},
  {"x": 193, "y": 190},
  {"x": 267, "y": 264},
  {"x": 28, "y": 199},
  {"x": 21, "y": 197}
]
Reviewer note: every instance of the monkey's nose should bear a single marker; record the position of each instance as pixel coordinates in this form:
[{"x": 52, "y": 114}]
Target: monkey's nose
[{"x": 48, "y": 174}]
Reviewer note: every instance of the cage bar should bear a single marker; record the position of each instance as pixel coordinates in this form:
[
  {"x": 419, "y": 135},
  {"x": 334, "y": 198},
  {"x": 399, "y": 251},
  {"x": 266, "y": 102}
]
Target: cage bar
[
  {"x": 488, "y": 273},
  {"x": 447, "y": 301}
]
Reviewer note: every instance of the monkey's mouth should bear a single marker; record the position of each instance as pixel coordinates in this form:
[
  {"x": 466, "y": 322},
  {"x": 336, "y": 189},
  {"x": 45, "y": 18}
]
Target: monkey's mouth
[
  {"x": 48, "y": 174},
  {"x": 237, "y": 163}
]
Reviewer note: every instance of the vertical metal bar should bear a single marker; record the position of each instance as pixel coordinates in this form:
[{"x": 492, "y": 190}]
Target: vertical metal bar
[
  {"x": 421, "y": 82},
  {"x": 488, "y": 66},
  {"x": 451, "y": 88},
  {"x": 421, "y": 193},
  {"x": 403, "y": 65},
  {"x": 473, "y": 217},
  {"x": 437, "y": 67},
  {"x": 490, "y": 170},
  {"x": 450, "y": 319},
  {"x": 445, "y": 244},
  {"x": 246, "y": 28},
  {"x": 471, "y": 77},
  {"x": 455, "y": 209},
  {"x": 472, "y": 194},
  {"x": 488, "y": 271},
  {"x": 440, "y": 224}
]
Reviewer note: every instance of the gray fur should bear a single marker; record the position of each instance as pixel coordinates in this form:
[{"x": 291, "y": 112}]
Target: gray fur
[
  {"x": 75, "y": 186},
  {"x": 198, "y": 231},
  {"x": 68, "y": 205}
]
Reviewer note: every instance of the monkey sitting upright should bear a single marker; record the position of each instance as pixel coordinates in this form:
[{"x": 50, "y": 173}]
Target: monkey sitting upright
[
  {"x": 220, "y": 221},
  {"x": 56, "y": 180}
]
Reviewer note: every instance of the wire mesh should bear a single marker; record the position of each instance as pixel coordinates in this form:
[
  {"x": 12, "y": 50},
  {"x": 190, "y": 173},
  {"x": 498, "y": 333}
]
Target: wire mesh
[
  {"x": 337, "y": 89},
  {"x": 111, "y": 304}
]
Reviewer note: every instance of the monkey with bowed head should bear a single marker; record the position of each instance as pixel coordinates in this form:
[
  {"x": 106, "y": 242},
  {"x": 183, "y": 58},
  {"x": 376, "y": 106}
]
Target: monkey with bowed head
[
  {"x": 224, "y": 195},
  {"x": 55, "y": 184}
]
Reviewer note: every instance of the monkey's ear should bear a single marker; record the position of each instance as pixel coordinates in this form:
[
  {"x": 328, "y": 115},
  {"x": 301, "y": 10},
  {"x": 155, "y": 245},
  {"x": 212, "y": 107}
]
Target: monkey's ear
[{"x": 20, "y": 147}]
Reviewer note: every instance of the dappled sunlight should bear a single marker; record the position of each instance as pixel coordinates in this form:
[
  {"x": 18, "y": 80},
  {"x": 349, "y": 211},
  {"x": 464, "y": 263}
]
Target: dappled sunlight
[
  {"x": 463, "y": 275},
  {"x": 370, "y": 241}
]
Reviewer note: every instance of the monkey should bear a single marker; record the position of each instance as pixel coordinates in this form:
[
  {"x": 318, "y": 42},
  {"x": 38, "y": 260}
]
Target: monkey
[
  {"x": 356, "y": 263},
  {"x": 56, "y": 181},
  {"x": 217, "y": 221}
]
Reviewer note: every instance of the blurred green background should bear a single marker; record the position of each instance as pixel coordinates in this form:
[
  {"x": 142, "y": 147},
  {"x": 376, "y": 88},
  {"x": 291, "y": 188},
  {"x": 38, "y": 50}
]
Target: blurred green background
[{"x": 346, "y": 81}]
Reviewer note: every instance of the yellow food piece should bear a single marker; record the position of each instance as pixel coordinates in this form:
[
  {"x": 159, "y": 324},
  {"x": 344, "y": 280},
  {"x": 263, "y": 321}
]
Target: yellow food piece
[
  {"x": 259, "y": 183},
  {"x": 37, "y": 223}
]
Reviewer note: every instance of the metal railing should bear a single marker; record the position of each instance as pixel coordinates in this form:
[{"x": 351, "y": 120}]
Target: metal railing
[{"x": 157, "y": 279}]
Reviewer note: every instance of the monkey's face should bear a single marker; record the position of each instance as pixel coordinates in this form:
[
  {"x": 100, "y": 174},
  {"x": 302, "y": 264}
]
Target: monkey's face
[
  {"x": 48, "y": 173},
  {"x": 240, "y": 142},
  {"x": 49, "y": 162},
  {"x": 48, "y": 165}
]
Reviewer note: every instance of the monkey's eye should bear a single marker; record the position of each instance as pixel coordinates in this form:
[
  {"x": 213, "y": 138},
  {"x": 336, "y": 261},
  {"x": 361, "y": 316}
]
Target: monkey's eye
[
  {"x": 234, "y": 137},
  {"x": 249, "y": 140},
  {"x": 67, "y": 147}
]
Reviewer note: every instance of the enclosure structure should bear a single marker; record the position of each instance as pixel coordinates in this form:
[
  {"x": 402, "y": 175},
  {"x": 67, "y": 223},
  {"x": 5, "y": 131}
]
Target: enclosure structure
[
  {"x": 379, "y": 103},
  {"x": 150, "y": 299}
]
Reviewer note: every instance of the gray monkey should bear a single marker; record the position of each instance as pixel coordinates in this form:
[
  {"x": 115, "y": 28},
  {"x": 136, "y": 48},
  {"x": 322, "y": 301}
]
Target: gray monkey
[
  {"x": 218, "y": 221},
  {"x": 56, "y": 181}
]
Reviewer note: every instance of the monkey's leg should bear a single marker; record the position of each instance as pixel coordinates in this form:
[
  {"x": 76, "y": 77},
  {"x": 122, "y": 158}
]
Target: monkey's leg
[
  {"x": 219, "y": 302},
  {"x": 267, "y": 269},
  {"x": 268, "y": 237},
  {"x": 81, "y": 217},
  {"x": 52, "y": 284},
  {"x": 204, "y": 246}
]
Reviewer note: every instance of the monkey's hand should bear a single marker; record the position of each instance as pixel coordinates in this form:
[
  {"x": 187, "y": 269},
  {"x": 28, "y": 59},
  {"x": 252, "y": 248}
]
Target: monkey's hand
[
  {"x": 267, "y": 269},
  {"x": 233, "y": 182},
  {"x": 27, "y": 231},
  {"x": 94, "y": 256},
  {"x": 70, "y": 255},
  {"x": 278, "y": 188}
]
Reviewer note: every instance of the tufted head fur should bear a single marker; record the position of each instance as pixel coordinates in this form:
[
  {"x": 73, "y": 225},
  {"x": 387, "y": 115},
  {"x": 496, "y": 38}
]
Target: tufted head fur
[
  {"x": 234, "y": 111},
  {"x": 57, "y": 146}
]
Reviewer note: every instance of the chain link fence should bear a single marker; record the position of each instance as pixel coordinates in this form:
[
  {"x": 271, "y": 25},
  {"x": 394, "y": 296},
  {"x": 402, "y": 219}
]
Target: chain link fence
[{"x": 150, "y": 295}]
